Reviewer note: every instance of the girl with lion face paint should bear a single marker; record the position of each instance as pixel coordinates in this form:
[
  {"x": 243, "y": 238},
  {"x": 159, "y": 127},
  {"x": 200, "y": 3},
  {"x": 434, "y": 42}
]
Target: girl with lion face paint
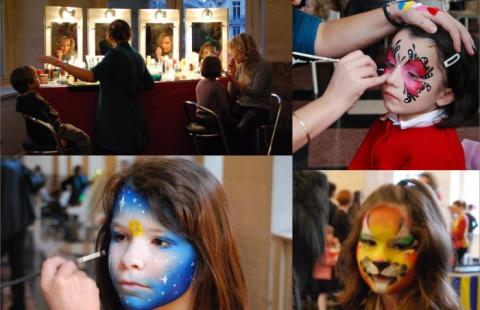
[{"x": 396, "y": 256}]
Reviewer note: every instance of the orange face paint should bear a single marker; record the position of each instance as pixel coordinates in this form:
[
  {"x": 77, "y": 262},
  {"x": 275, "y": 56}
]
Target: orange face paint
[{"x": 386, "y": 250}]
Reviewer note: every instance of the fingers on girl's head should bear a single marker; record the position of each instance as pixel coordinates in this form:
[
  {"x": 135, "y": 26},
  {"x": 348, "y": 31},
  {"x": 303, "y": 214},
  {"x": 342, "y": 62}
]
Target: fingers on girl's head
[
  {"x": 466, "y": 39},
  {"x": 427, "y": 25},
  {"x": 452, "y": 26}
]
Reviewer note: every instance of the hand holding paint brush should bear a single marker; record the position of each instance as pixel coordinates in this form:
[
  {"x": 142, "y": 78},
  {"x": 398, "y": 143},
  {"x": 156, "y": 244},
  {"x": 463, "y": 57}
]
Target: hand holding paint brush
[
  {"x": 353, "y": 75},
  {"x": 66, "y": 287}
]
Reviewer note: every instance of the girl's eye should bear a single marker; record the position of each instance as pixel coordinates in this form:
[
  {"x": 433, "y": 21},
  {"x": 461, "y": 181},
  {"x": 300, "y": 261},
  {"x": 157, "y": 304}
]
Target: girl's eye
[
  {"x": 368, "y": 242},
  {"x": 405, "y": 246},
  {"x": 160, "y": 243},
  {"x": 119, "y": 237},
  {"x": 389, "y": 65},
  {"x": 401, "y": 247},
  {"x": 412, "y": 75}
]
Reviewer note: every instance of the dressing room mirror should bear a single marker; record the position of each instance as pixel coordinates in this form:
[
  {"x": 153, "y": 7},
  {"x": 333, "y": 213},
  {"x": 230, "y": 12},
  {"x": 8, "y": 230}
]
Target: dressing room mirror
[
  {"x": 98, "y": 22},
  {"x": 159, "y": 33},
  {"x": 63, "y": 33},
  {"x": 207, "y": 33}
]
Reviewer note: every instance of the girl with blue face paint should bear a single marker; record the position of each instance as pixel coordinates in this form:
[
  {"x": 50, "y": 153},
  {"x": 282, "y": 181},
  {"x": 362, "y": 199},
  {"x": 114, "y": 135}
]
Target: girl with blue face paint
[
  {"x": 150, "y": 265},
  {"x": 168, "y": 241}
]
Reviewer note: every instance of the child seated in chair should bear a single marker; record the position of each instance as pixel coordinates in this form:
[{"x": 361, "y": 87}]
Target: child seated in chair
[
  {"x": 430, "y": 90},
  {"x": 211, "y": 94},
  {"x": 26, "y": 82}
]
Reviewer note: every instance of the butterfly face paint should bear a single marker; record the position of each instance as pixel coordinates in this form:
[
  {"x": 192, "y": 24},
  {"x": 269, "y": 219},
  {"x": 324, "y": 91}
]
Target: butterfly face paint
[
  {"x": 150, "y": 266},
  {"x": 386, "y": 250},
  {"x": 414, "y": 83},
  {"x": 414, "y": 70}
]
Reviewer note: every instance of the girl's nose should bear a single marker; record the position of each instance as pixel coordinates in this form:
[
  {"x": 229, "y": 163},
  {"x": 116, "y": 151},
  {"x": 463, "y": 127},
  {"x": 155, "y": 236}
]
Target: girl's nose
[
  {"x": 133, "y": 256},
  {"x": 394, "y": 76}
]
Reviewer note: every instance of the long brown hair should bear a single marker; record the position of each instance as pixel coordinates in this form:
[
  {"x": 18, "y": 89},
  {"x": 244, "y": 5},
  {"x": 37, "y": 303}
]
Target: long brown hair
[
  {"x": 431, "y": 289},
  {"x": 245, "y": 44},
  {"x": 188, "y": 200}
]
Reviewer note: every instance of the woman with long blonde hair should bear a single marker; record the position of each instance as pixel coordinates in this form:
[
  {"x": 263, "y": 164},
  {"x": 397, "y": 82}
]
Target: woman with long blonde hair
[{"x": 250, "y": 82}]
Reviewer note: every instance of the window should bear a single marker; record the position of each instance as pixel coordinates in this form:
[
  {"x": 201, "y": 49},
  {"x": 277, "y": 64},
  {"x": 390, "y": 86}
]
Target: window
[
  {"x": 236, "y": 21},
  {"x": 236, "y": 10},
  {"x": 157, "y": 4},
  {"x": 235, "y": 30}
]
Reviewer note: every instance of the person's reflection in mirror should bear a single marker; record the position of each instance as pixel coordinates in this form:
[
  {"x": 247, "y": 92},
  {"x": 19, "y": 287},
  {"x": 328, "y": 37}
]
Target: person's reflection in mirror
[
  {"x": 65, "y": 48},
  {"x": 104, "y": 45},
  {"x": 207, "y": 49},
  {"x": 163, "y": 46}
]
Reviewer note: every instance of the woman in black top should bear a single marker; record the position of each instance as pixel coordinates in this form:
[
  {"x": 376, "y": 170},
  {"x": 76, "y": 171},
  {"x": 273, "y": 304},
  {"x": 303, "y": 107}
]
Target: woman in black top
[{"x": 120, "y": 123}]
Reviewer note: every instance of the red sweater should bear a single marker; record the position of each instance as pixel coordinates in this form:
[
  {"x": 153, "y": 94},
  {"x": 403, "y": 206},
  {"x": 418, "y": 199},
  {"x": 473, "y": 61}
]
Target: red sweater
[
  {"x": 389, "y": 147},
  {"x": 459, "y": 232}
]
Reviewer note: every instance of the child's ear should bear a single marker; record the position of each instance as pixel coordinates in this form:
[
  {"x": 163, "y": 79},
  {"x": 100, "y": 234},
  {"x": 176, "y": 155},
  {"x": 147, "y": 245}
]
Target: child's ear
[{"x": 445, "y": 98}]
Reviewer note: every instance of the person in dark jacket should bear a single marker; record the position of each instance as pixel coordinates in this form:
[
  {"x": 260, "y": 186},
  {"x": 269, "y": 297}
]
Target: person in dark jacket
[
  {"x": 17, "y": 213},
  {"x": 26, "y": 82},
  {"x": 77, "y": 183},
  {"x": 341, "y": 220},
  {"x": 121, "y": 127}
]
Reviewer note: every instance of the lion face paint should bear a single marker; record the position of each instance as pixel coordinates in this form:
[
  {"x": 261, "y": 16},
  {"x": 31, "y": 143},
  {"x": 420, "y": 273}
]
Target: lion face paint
[
  {"x": 150, "y": 266},
  {"x": 386, "y": 250},
  {"x": 414, "y": 82}
]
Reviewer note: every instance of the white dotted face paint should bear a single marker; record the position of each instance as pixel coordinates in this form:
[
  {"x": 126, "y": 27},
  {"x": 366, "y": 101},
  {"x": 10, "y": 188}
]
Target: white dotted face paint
[{"x": 150, "y": 266}]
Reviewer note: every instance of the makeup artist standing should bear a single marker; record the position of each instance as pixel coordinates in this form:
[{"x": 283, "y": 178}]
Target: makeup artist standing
[{"x": 120, "y": 122}]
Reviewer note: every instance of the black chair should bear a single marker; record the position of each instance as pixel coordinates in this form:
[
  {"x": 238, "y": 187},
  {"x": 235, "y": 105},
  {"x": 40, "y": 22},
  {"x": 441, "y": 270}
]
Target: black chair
[
  {"x": 32, "y": 148},
  {"x": 196, "y": 130},
  {"x": 263, "y": 132}
]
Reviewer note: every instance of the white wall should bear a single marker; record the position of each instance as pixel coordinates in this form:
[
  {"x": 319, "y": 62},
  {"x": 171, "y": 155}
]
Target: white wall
[{"x": 282, "y": 195}]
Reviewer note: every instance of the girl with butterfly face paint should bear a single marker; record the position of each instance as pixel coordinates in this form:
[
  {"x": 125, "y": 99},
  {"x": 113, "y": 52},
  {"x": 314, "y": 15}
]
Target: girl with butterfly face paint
[
  {"x": 397, "y": 254},
  {"x": 429, "y": 90},
  {"x": 168, "y": 241}
]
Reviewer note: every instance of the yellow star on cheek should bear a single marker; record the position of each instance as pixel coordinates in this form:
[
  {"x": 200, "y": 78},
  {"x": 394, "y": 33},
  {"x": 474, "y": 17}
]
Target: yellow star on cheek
[{"x": 135, "y": 227}]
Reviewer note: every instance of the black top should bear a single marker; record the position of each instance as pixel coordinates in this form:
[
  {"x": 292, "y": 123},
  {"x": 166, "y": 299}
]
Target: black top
[
  {"x": 17, "y": 208},
  {"x": 120, "y": 123},
  {"x": 341, "y": 224},
  {"x": 77, "y": 184},
  {"x": 34, "y": 105}
]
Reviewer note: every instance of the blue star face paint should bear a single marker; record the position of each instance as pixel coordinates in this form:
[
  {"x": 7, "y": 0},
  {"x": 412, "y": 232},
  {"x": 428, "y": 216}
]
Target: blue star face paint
[{"x": 150, "y": 266}]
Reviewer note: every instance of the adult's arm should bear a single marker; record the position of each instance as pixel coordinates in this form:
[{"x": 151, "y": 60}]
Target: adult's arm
[
  {"x": 79, "y": 73},
  {"x": 339, "y": 37},
  {"x": 260, "y": 81},
  {"x": 354, "y": 74},
  {"x": 147, "y": 82}
]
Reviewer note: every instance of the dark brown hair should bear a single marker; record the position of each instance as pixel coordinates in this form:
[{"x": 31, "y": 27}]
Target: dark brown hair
[
  {"x": 21, "y": 77},
  {"x": 211, "y": 67},
  {"x": 344, "y": 197},
  {"x": 461, "y": 77},
  {"x": 119, "y": 30},
  {"x": 431, "y": 289},
  {"x": 188, "y": 200},
  {"x": 461, "y": 204}
]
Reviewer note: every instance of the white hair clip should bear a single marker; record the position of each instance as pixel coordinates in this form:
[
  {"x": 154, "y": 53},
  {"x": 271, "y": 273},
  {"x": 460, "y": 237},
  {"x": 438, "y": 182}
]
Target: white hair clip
[{"x": 452, "y": 60}]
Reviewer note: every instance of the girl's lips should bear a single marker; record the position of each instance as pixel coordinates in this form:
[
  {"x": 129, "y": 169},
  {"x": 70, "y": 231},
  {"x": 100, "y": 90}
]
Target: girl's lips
[
  {"x": 390, "y": 95},
  {"x": 132, "y": 285}
]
